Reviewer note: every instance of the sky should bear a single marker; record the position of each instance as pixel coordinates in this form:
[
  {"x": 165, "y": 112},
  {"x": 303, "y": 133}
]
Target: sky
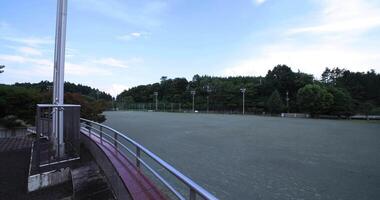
[{"x": 117, "y": 44}]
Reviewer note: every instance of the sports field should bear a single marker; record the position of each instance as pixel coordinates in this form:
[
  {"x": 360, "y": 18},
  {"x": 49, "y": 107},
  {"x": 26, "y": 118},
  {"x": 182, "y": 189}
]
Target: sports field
[{"x": 252, "y": 157}]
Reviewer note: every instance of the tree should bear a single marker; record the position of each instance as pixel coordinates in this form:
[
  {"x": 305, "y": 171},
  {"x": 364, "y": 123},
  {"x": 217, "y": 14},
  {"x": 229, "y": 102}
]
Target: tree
[
  {"x": 330, "y": 76},
  {"x": 274, "y": 103},
  {"x": 342, "y": 102},
  {"x": 366, "y": 108},
  {"x": 1, "y": 67},
  {"x": 314, "y": 99}
]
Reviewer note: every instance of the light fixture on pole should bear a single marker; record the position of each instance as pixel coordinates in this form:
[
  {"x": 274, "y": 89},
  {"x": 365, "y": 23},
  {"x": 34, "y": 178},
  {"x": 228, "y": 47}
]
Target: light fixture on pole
[
  {"x": 193, "y": 93},
  {"x": 156, "y": 94},
  {"x": 242, "y": 90}
]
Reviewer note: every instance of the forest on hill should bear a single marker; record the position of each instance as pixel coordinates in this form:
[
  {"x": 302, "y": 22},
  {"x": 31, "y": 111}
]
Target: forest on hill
[
  {"x": 18, "y": 101},
  {"x": 339, "y": 92}
]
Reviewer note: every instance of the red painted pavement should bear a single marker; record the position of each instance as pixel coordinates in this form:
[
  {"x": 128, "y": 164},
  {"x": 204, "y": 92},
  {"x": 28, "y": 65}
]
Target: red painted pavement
[{"x": 138, "y": 185}]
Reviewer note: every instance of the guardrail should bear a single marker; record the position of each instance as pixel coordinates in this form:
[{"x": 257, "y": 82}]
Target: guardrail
[{"x": 99, "y": 130}]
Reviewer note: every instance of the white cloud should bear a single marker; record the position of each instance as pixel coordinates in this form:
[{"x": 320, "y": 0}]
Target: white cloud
[
  {"x": 333, "y": 37},
  {"x": 136, "y": 34},
  {"x": 7, "y": 58},
  {"x": 43, "y": 67},
  {"x": 343, "y": 16},
  {"x": 30, "y": 41},
  {"x": 29, "y": 51},
  {"x": 133, "y": 35},
  {"x": 259, "y": 2},
  {"x": 12, "y": 58},
  {"x": 85, "y": 70},
  {"x": 310, "y": 59},
  {"x": 113, "y": 62},
  {"x": 116, "y": 89}
]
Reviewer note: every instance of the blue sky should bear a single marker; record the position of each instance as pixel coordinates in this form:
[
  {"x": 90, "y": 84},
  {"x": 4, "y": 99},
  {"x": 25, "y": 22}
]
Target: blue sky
[{"x": 117, "y": 44}]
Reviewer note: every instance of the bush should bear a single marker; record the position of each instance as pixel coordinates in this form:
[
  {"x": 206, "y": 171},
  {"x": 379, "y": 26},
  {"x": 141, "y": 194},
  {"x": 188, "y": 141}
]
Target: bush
[{"x": 11, "y": 121}]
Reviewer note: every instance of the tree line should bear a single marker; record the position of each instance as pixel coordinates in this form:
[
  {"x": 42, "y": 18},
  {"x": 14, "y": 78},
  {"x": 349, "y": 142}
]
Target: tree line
[
  {"x": 340, "y": 92},
  {"x": 18, "y": 101}
]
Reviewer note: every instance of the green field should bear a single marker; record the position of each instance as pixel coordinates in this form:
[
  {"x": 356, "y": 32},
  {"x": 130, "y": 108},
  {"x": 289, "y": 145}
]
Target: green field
[{"x": 251, "y": 157}]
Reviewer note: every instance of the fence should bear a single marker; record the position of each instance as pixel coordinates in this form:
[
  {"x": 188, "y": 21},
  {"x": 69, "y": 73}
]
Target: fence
[{"x": 129, "y": 147}]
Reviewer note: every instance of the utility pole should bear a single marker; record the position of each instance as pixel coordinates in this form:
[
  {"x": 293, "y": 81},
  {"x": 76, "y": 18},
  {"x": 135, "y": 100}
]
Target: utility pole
[
  {"x": 193, "y": 93},
  {"x": 242, "y": 90},
  {"x": 58, "y": 76},
  {"x": 208, "y": 94},
  {"x": 287, "y": 101},
  {"x": 156, "y": 94}
]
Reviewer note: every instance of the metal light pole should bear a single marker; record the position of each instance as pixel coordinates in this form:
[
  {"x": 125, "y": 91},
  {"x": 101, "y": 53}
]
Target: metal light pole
[
  {"x": 208, "y": 94},
  {"x": 193, "y": 93},
  {"x": 287, "y": 101},
  {"x": 243, "y": 91},
  {"x": 58, "y": 75},
  {"x": 156, "y": 94}
]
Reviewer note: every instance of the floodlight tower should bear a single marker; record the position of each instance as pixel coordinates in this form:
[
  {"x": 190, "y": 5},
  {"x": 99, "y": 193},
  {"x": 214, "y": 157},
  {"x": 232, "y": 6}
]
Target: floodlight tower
[
  {"x": 287, "y": 101},
  {"x": 242, "y": 90},
  {"x": 156, "y": 94},
  {"x": 58, "y": 76},
  {"x": 208, "y": 89},
  {"x": 193, "y": 93}
]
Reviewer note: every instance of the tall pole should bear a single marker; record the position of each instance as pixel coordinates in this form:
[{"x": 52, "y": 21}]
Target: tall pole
[
  {"x": 58, "y": 75},
  {"x": 208, "y": 94},
  {"x": 207, "y": 103},
  {"x": 193, "y": 93},
  {"x": 287, "y": 101},
  {"x": 156, "y": 94},
  {"x": 243, "y": 91}
]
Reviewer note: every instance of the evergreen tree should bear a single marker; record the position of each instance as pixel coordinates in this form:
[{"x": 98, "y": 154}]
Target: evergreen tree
[{"x": 274, "y": 103}]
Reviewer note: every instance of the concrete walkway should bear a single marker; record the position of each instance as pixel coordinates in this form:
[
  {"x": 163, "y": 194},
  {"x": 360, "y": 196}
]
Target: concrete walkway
[{"x": 14, "y": 166}]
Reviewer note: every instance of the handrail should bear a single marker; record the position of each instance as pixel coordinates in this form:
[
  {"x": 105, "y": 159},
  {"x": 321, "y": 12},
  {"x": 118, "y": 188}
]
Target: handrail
[{"x": 194, "y": 188}]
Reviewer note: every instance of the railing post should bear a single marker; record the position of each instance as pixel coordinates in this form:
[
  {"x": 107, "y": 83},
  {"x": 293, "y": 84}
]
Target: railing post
[
  {"x": 138, "y": 156},
  {"x": 115, "y": 140},
  {"x": 192, "y": 194},
  {"x": 101, "y": 134},
  {"x": 89, "y": 129}
]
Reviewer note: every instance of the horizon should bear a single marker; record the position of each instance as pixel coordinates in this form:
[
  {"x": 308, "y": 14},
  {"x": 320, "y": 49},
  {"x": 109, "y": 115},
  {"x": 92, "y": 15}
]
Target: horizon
[{"x": 116, "y": 45}]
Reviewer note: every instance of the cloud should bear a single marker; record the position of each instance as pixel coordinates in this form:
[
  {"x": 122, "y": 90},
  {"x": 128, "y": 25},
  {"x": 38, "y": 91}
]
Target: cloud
[
  {"x": 310, "y": 59},
  {"x": 335, "y": 36},
  {"x": 342, "y": 17},
  {"x": 259, "y": 2},
  {"x": 42, "y": 67},
  {"x": 85, "y": 70},
  {"x": 29, "y": 51},
  {"x": 113, "y": 62},
  {"x": 30, "y": 41},
  {"x": 7, "y": 58},
  {"x": 116, "y": 89},
  {"x": 133, "y": 35}
]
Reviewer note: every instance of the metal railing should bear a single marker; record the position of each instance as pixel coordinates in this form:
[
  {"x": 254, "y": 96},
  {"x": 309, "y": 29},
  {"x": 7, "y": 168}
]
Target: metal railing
[{"x": 98, "y": 130}]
